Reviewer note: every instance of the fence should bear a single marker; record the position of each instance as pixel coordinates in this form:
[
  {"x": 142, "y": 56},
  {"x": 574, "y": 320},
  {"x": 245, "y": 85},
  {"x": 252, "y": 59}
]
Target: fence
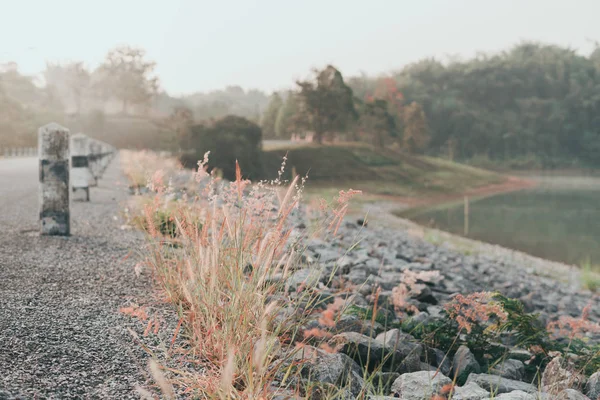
[
  {"x": 18, "y": 152},
  {"x": 67, "y": 163}
]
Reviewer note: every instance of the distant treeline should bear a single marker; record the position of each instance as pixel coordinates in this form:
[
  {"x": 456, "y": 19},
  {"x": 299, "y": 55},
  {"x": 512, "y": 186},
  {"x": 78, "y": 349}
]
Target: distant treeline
[
  {"x": 534, "y": 105},
  {"x": 534, "y": 102}
]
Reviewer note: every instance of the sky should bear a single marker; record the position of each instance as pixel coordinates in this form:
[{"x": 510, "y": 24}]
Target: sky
[{"x": 201, "y": 45}]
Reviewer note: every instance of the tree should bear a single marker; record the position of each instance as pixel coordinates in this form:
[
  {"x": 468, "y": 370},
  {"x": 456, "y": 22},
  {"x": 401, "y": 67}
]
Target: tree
[
  {"x": 377, "y": 120},
  {"x": 78, "y": 81},
  {"x": 126, "y": 76},
  {"x": 327, "y": 103},
  {"x": 71, "y": 82},
  {"x": 229, "y": 139},
  {"x": 416, "y": 136},
  {"x": 289, "y": 119},
  {"x": 269, "y": 117},
  {"x": 180, "y": 121}
]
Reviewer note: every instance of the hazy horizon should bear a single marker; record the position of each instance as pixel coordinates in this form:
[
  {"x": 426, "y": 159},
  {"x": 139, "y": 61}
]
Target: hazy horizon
[{"x": 204, "y": 46}]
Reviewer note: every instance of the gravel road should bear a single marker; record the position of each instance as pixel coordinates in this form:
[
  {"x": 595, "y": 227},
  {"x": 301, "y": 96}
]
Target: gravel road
[{"x": 61, "y": 335}]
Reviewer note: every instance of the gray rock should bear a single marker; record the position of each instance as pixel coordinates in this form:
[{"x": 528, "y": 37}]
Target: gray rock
[
  {"x": 519, "y": 354},
  {"x": 559, "y": 375},
  {"x": 470, "y": 391},
  {"x": 372, "y": 353},
  {"x": 497, "y": 384},
  {"x": 441, "y": 361},
  {"x": 393, "y": 337},
  {"x": 463, "y": 364},
  {"x": 420, "y": 385},
  {"x": 330, "y": 368},
  {"x": 516, "y": 395},
  {"x": 592, "y": 388},
  {"x": 328, "y": 254},
  {"x": 427, "y": 367},
  {"x": 510, "y": 369},
  {"x": 352, "y": 323},
  {"x": 307, "y": 277},
  {"x": 571, "y": 394},
  {"x": 382, "y": 381}
]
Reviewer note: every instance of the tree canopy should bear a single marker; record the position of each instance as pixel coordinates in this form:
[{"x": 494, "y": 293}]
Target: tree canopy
[
  {"x": 327, "y": 102},
  {"x": 127, "y": 76}
]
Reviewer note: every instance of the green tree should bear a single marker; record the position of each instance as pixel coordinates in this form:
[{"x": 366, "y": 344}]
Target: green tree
[
  {"x": 377, "y": 120},
  {"x": 416, "y": 136},
  {"x": 180, "y": 121},
  {"x": 229, "y": 139},
  {"x": 289, "y": 118},
  {"x": 269, "y": 118},
  {"x": 127, "y": 76},
  {"x": 327, "y": 103}
]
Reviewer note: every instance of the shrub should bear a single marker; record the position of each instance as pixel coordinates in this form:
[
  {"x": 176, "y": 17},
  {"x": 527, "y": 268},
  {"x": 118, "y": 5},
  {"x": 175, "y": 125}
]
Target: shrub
[{"x": 229, "y": 139}]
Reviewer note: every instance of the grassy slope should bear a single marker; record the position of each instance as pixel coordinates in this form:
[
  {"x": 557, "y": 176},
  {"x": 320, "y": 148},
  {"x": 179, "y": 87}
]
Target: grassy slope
[{"x": 378, "y": 172}]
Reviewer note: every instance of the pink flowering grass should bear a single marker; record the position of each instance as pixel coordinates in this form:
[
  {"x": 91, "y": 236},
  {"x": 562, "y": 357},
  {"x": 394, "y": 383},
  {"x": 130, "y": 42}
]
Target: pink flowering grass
[{"x": 225, "y": 269}]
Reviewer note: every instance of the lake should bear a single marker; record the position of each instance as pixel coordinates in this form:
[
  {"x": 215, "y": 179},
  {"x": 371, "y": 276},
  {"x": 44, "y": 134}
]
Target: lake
[{"x": 559, "y": 219}]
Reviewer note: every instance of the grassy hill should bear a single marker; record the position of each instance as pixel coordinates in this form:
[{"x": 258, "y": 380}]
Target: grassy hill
[{"x": 379, "y": 172}]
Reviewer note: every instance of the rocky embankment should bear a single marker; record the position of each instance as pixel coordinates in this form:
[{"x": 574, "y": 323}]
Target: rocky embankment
[
  {"x": 367, "y": 258},
  {"x": 379, "y": 349}
]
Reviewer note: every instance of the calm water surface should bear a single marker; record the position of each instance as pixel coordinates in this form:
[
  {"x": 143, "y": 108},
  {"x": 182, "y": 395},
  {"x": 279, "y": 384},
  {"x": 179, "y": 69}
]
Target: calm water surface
[{"x": 557, "y": 220}]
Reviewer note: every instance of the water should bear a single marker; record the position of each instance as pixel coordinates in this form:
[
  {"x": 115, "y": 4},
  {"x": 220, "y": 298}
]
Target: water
[{"x": 557, "y": 220}]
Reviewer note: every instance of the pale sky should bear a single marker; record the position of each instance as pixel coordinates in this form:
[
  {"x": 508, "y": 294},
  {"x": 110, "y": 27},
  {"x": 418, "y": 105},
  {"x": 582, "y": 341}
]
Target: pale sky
[{"x": 202, "y": 45}]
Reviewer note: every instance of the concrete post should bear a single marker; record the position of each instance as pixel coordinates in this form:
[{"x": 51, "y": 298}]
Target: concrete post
[
  {"x": 55, "y": 201},
  {"x": 80, "y": 164},
  {"x": 95, "y": 159}
]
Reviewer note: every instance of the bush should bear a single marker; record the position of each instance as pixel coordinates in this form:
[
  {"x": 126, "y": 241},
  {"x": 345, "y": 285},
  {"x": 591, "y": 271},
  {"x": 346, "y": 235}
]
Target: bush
[{"x": 229, "y": 139}]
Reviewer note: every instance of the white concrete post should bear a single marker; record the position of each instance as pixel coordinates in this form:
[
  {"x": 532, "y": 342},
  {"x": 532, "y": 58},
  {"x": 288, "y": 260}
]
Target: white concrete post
[
  {"x": 80, "y": 166},
  {"x": 55, "y": 201},
  {"x": 95, "y": 159}
]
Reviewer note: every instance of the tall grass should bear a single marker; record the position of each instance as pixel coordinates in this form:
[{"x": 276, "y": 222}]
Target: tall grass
[
  {"x": 140, "y": 166},
  {"x": 224, "y": 265},
  {"x": 590, "y": 275}
]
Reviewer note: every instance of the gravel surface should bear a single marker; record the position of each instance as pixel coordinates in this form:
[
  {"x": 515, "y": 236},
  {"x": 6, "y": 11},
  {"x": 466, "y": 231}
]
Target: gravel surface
[{"x": 61, "y": 334}]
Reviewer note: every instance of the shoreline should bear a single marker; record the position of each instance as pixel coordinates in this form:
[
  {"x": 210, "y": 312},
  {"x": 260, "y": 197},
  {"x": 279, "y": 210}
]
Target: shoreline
[
  {"x": 391, "y": 214},
  {"x": 510, "y": 184}
]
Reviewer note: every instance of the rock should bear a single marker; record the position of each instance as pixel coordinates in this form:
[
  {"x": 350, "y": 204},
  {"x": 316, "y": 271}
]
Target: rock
[
  {"x": 281, "y": 394},
  {"x": 470, "y": 391},
  {"x": 426, "y": 296},
  {"x": 497, "y": 384},
  {"x": 382, "y": 381},
  {"x": 441, "y": 361},
  {"x": 558, "y": 376},
  {"x": 420, "y": 385},
  {"x": 592, "y": 388},
  {"x": 327, "y": 254},
  {"x": 571, "y": 394},
  {"x": 334, "y": 369},
  {"x": 519, "y": 354},
  {"x": 427, "y": 367},
  {"x": 463, "y": 364},
  {"x": 510, "y": 369},
  {"x": 352, "y": 323},
  {"x": 307, "y": 277},
  {"x": 435, "y": 311},
  {"x": 516, "y": 395},
  {"x": 394, "y": 336},
  {"x": 372, "y": 353}
]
